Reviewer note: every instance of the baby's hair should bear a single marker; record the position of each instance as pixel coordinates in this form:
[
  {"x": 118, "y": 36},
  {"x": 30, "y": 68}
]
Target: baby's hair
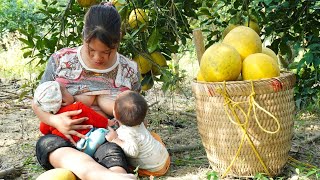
[
  {"x": 102, "y": 22},
  {"x": 131, "y": 108}
]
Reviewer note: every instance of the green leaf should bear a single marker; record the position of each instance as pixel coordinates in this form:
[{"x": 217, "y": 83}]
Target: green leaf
[
  {"x": 31, "y": 29},
  {"x": 153, "y": 40},
  {"x": 44, "y": 2},
  {"x": 308, "y": 58},
  {"x": 24, "y": 41},
  {"x": 147, "y": 79},
  {"x": 267, "y": 1},
  {"x": 301, "y": 64},
  {"x": 204, "y": 11},
  {"x": 316, "y": 62},
  {"x": 27, "y": 54},
  {"x": 23, "y": 94}
]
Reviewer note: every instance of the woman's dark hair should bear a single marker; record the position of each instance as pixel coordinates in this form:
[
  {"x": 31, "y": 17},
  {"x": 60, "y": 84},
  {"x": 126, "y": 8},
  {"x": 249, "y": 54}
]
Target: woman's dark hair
[
  {"x": 130, "y": 108},
  {"x": 102, "y": 22}
]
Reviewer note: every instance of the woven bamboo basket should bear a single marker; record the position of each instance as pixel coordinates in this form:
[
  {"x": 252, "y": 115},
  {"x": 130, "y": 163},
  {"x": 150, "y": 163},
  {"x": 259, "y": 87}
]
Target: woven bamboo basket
[{"x": 239, "y": 143}]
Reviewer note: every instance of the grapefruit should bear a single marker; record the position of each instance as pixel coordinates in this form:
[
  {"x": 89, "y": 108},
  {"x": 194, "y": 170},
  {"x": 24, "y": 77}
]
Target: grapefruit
[
  {"x": 57, "y": 173},
  {"x": 220, "y": 62},
  {"x": 259, "y": 66},
  {"x": 146, "y": 86},
  {"x": 245, "y": 40},
  {"x": 158, "y": 59},
  {"x": 118, "y": 4},
  {"x": 199, "y": 76},
  {"x": 86, "y": 3},
  {"x": 271, "y": 53},
  {"x": 253, "y": 25},
  {"x": 138, "y": 17},
  {"x": 228, "y": 29},
  {"x": 143, "y": 61}
]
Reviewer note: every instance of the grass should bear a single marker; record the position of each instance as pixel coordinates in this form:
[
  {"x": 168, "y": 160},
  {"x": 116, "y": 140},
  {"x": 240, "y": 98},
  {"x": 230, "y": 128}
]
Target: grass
[{"x": 12, "y": 63}]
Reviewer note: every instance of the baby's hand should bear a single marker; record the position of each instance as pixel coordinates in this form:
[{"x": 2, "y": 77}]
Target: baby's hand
[
  {"x": 112, "y": 135},
  {"x": 112, "y": 122}
]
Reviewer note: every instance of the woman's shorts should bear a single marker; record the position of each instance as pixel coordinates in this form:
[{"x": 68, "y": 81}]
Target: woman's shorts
[{"x": 108, "y": 154}]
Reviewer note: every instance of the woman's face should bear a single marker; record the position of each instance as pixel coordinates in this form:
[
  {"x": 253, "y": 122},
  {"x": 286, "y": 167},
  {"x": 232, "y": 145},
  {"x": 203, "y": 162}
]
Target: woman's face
[{"x": 97, "y": 55}]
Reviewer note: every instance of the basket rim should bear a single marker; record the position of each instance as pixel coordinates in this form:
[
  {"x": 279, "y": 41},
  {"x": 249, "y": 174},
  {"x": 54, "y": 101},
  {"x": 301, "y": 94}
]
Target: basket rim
[{"x": 283, "y": 74}]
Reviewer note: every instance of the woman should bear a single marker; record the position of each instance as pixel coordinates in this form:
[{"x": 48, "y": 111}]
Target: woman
[{"x": 94, "y": 73}]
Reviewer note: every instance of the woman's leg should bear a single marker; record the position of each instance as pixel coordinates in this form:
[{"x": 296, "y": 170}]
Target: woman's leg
[
  {"x": 55, "y": 152},
  {"x": 111, "y": 156},
  {"x": 82, "y": 165}
]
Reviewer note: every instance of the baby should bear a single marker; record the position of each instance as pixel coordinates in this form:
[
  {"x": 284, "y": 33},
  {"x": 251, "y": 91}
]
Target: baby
[
  {"x": 51, "y": 97},
  {"x": 143, "y": 149}
]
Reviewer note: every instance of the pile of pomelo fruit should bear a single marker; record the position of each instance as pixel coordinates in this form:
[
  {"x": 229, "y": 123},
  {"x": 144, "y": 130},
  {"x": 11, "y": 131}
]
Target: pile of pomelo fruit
[
  {"x": 148, "y": 63},
  {"x": 239, "y": 56}
]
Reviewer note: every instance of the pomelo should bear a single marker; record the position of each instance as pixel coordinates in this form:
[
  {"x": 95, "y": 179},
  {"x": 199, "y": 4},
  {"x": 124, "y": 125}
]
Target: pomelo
[
  {"x": 138, "y": 17},
  {"x": 199, "y": 76},
  {"x": 86, "y": 3},
  {"x": 228, "y": 29},
  {"x": 259, "y": 66},
  {"x": 160, "y": 60},
  {"x": 245, "y": 40},
  {"x": 271, "y": 53},
  {"x": 253, "y": 25},
  {"x": 220, "y": 62},
  {"x": 57, "y": 174},
  {"x": 143, "y": 61}
]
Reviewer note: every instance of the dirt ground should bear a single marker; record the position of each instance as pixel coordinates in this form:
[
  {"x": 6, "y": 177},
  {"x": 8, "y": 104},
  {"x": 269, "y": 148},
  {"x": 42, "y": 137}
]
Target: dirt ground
[{"x": 171, "y": 115}]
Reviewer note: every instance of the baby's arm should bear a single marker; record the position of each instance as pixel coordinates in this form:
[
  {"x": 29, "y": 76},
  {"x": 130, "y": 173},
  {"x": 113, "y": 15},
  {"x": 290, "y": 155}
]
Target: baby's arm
[
  {"x": 129, "y": 146},
  {"x": 112, "y": 136}
]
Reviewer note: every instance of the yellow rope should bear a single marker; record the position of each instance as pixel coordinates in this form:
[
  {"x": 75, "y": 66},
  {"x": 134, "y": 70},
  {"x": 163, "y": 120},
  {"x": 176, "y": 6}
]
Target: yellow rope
[
  {"x": 232, "y": 105},
  {"x": 252, "y": 101},
  {"x": 299, "y": 162}
]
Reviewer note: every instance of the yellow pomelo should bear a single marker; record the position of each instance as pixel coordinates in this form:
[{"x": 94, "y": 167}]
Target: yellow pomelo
[
  {"x": 228, "y": 29},
  {"x": 137, "y": 17},
  {"x": 220, "y": 62},
  {"x": 245, "y": 40},
  {"x": 200, "y": 77},
  {"x": 86, "y": 3},
  {"x": 118, "y": 4},
  {"x": 57, "y": 174},
  {"x": 143, "y": 61},
  {"x": 160, "y": 60},
  {"x": 253, "y": 25},
  {"x": 271, "y": 53},
  {"x": 259, "y": 66},
  {"x": 146, "y": 86}
]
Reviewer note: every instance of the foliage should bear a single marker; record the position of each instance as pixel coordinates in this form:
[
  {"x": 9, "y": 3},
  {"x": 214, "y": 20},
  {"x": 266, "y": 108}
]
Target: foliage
[
  {"x": 61, "y": 26},
  {"x": 212, "y": 175},
  {"x": 167, "y": 30},
  {"x": 291, "y": 27},
  {"x": 293, "y": 34},
  {"x": 16, "y": 14}
]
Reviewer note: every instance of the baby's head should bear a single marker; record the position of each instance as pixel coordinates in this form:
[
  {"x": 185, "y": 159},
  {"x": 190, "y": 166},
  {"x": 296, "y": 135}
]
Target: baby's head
[
  {"x": 48, "y": 96},
  {"x": 130, "y": 108}
]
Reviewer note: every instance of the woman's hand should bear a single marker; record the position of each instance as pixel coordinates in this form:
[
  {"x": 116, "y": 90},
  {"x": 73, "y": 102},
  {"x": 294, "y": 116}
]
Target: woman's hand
[{"x": 67, "y": 126}]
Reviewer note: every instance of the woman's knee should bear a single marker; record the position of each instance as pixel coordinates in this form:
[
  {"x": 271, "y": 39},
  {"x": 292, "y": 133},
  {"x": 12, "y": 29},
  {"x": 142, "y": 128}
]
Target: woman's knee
[
  {"x": 111, "y": 155},
  {"x": 47, "y": 144}
]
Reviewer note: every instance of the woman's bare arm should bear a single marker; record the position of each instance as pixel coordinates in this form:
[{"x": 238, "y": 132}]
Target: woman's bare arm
[{"x": 62, "y": 122}]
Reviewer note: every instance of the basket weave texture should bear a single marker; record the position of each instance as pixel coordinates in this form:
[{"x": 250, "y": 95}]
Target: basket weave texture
[{"x": 221, "y": 138}]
